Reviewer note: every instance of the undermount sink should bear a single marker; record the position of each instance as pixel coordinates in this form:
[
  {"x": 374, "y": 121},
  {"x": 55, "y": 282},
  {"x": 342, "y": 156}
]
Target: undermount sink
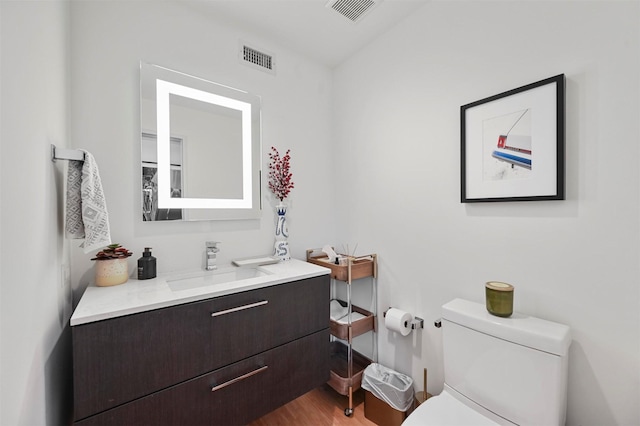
[{"x": 207, "y": 278}]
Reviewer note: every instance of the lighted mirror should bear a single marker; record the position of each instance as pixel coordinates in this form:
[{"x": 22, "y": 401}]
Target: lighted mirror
[{"x": 200, "y": 148}]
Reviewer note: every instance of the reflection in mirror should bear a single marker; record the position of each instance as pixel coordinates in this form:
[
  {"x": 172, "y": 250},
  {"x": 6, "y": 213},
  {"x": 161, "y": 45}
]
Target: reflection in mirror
[
  {"x": 150, "y": 209},
  {"x": 200, "y": 148}
]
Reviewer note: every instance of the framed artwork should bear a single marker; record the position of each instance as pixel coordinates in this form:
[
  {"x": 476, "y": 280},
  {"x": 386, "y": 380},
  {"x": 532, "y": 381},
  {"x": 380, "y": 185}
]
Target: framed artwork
[{"x": 512, "y": 144}]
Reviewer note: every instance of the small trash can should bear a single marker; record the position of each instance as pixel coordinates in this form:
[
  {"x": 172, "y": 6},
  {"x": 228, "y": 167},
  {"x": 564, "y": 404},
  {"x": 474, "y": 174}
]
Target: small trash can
[{"x": 388, "y": 395}]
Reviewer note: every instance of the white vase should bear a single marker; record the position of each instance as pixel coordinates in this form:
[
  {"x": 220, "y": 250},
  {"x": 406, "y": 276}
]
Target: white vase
[{"x": 281, "y": 246}]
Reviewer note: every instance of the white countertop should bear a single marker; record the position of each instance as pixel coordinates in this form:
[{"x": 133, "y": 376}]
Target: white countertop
[{"x": 134, "y": 296}]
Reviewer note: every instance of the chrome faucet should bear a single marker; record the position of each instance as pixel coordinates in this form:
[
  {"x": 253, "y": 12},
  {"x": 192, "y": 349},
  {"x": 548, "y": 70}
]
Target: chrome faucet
[{"x": 212, "y": 249}]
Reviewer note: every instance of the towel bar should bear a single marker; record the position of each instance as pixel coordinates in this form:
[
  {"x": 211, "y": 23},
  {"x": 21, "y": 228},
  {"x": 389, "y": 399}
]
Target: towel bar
[{"x": 66, "y": 154}]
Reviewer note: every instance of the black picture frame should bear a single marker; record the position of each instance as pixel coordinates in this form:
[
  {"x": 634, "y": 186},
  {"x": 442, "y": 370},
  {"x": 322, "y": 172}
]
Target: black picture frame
[{"x": 513, "y": 144}]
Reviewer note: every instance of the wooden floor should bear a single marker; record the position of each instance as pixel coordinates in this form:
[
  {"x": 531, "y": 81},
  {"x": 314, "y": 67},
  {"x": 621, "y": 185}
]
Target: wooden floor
[{"x": 320, "y": 407}]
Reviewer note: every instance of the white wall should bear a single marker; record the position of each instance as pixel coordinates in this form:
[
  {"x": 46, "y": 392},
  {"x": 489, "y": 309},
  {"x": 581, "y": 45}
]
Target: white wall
[
  {"x": 396, "y": 122},
  {"x": 109, "y": 39},
  {"x": 35, "y": 300},
  {"x": 393, "y": 136}
]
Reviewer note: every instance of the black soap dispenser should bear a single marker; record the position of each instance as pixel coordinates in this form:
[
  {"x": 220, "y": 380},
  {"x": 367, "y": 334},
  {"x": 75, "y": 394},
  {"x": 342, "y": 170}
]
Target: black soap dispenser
[{"x": 146, "y": 265}]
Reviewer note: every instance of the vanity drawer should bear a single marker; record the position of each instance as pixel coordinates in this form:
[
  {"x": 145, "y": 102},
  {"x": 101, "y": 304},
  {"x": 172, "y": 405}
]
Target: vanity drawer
[
  {"x": 243, "y": 391},
  {"x": 125, "y": 358}
]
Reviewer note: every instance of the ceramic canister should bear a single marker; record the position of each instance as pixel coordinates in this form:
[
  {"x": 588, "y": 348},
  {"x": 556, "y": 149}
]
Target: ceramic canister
[
  {"x": 499, "y": 298},
  {"x": 111, "y": 272}
]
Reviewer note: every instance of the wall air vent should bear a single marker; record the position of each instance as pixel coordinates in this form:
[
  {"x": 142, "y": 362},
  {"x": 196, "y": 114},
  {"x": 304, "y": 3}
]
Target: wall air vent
[
  {"x": 353, "y": 10},
  {"x": 257, "y": 59}
]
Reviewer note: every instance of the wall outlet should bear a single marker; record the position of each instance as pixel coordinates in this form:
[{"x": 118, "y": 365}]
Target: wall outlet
[
  {"x": 64, "y": 293},
  {"x": 65, "y": 276}
]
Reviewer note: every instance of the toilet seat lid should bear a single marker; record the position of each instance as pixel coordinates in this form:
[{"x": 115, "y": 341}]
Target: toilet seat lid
[{"x": 446, "y": 410}]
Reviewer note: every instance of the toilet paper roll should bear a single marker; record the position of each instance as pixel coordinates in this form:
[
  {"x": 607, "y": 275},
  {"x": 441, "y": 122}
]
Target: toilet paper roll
[{"x": 398, "y": 320}]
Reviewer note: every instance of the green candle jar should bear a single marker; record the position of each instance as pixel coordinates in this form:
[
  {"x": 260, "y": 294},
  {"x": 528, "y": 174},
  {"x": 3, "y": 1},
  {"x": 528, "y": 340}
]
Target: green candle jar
[{"x": 499, "y": 298}]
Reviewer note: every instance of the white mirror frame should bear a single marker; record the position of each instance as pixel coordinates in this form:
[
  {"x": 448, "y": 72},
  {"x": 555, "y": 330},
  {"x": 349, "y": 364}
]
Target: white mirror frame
[{"x": 169, "y": 82}]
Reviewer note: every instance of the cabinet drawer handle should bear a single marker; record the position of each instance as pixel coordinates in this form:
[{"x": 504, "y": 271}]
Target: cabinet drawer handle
[
  {"x": 239, "y": 308},
  {"x": 237, "y": 379}
]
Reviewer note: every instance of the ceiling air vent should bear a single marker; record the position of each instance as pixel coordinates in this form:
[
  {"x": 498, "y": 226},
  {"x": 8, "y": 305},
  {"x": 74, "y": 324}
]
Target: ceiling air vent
[
  {"x": 257, "y": 59},
  {"x": 353, "y": 10}
]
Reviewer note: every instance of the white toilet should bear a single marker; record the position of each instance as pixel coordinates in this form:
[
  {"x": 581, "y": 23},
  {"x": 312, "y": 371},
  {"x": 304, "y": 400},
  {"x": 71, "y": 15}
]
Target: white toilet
[{"x": 497, "y": 370}]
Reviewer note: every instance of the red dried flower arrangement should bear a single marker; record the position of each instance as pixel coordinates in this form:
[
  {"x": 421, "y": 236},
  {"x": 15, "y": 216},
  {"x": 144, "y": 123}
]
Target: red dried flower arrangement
[{"x": 280, "y": 182}]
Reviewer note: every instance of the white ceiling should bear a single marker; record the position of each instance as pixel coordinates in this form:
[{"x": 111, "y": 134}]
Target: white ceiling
[{"x": 307, "y": 26}]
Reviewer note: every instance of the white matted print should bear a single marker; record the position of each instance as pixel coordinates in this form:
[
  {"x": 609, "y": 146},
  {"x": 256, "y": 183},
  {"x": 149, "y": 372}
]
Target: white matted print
[{"x": 506, "y": 142}]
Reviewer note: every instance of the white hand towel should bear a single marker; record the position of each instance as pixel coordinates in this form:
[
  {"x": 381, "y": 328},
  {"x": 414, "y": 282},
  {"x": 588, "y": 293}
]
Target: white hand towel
[
  {"x": 337, "y": 311},
  {"x": 86, "y": 207},
  {"x": 355, "y": 316}
]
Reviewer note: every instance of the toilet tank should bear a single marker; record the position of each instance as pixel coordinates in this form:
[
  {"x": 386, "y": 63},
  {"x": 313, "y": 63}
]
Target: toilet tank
[{"x": 515, "y": 367}]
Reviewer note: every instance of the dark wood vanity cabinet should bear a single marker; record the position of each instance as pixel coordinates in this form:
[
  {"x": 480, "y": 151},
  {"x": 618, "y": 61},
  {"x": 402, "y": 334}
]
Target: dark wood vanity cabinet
[{"x": 226, "y": 360}]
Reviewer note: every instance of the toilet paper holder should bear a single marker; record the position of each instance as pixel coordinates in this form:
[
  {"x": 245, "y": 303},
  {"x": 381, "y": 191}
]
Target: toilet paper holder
[{"x": 416, "y": 323}]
